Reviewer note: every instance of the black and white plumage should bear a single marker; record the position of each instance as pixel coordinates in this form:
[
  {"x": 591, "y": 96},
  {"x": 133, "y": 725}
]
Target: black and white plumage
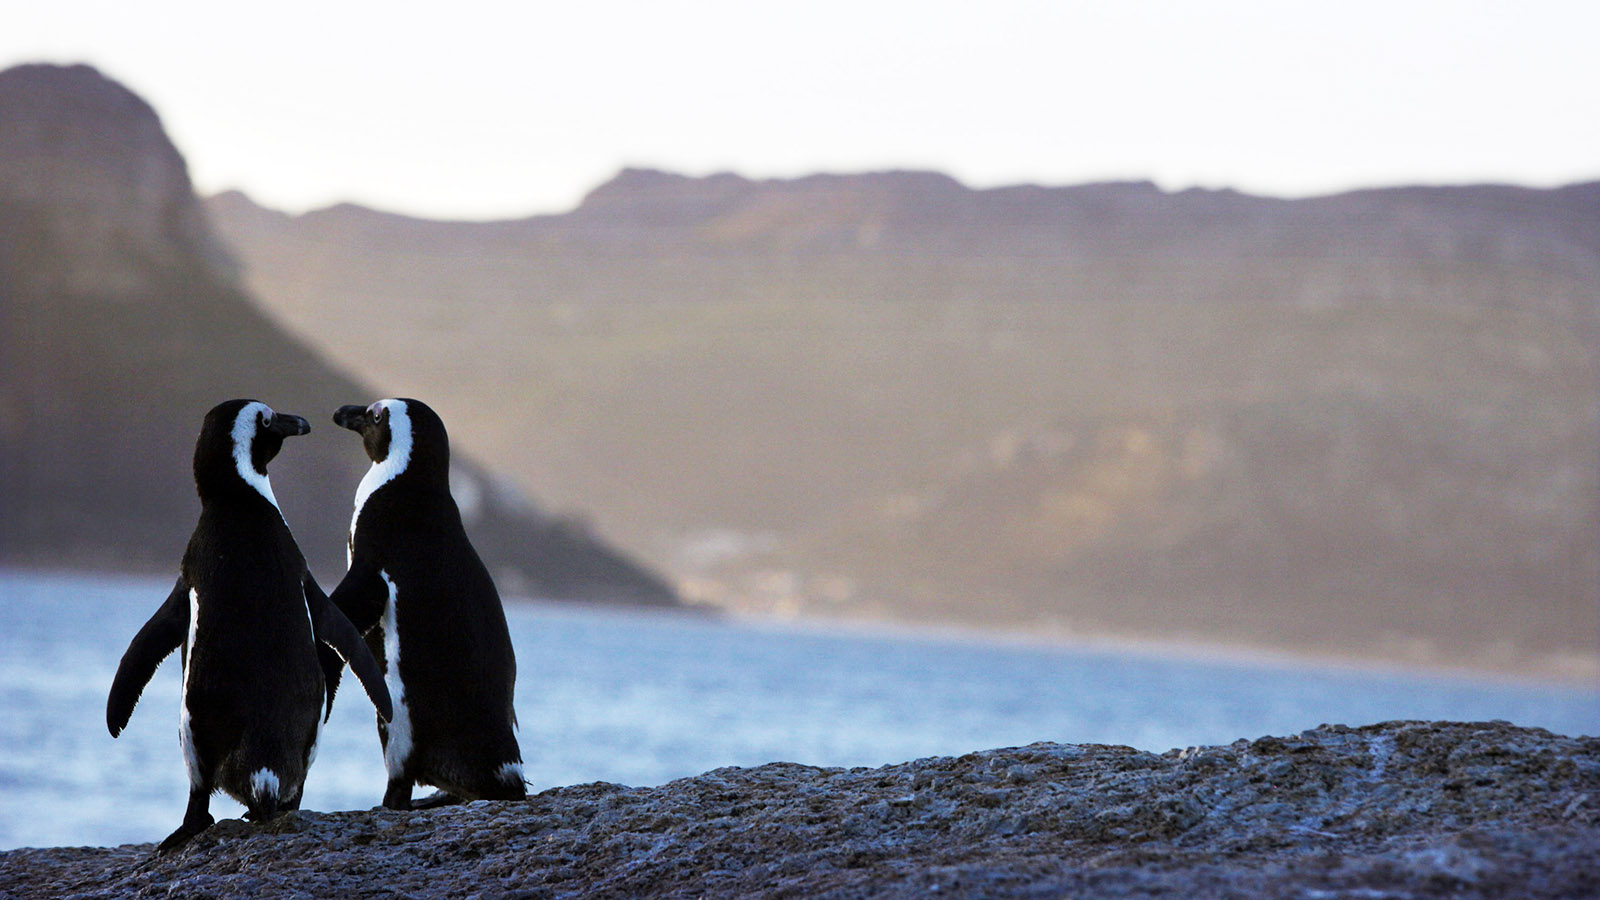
[
  {"x": 419, "y": 592},
  {"x": 262, "y": 645}
]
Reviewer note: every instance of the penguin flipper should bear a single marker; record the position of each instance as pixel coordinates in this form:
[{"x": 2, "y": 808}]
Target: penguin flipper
[
  {"x": 162, "y": 634},
  {"x": 332, "y": 667},
  {"x": 334, "y": 630},
  {"x": 361, "y": 595},
  {"x": 330, "y": 660}
]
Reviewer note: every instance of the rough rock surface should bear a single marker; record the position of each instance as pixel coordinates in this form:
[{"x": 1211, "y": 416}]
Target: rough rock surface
[{"x": 1402, "y": 809}]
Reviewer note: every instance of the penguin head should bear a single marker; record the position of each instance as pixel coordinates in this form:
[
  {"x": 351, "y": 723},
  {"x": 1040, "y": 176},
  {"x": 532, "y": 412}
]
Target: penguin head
[
  {"x": 401, "y": 435},
  {"x": 236, "y": 442}
]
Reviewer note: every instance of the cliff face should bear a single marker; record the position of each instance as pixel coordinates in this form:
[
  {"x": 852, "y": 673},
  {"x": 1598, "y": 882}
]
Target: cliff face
[
  {"x": 1404, "y": 809},
  {"x": 122, "y": 322},
  {"x": 90, "y": 160}
]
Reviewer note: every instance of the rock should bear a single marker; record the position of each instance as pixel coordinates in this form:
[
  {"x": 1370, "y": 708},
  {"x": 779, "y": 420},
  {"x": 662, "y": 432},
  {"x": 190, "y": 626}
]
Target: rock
[{"x": 1402, "y": 809}]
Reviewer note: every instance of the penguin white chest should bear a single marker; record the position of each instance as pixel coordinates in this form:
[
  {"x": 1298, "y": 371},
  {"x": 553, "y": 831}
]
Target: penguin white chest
[
  {"x": 191, "y": 759},
  {"x": 397, "y": 749}
]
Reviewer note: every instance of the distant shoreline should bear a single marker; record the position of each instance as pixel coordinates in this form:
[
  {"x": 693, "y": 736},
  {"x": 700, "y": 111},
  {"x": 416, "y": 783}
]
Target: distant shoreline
[{"x": 1578, "y": 672}]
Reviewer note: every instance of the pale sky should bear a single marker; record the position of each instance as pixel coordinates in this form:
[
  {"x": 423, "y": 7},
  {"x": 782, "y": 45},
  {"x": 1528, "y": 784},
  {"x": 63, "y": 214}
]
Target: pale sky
[{"x": 478, "y": 109}]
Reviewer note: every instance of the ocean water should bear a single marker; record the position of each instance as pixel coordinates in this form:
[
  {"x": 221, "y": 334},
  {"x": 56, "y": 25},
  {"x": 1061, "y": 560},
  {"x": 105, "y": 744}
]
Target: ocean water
[{"x": 642, "y": 698}]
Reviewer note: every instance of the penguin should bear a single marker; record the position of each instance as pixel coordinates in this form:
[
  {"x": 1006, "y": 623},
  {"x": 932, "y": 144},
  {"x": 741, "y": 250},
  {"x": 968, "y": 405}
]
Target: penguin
[
  {"x": 431, "y": 615},
  {"x": 252, "y": 624}
]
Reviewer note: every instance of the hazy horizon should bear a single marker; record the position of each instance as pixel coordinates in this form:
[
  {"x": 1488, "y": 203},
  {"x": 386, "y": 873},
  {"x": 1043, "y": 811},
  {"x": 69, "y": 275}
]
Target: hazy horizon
[
  {"x": 497, "y": 111},
  {"x": 335, "y": 204}
]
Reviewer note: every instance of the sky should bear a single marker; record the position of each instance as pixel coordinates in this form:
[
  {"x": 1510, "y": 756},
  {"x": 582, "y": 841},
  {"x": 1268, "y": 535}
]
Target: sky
[{"x": 476, "y": 110}]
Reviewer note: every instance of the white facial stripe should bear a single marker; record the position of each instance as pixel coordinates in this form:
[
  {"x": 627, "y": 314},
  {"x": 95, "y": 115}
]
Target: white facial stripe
[
  {"x": 244, "y": 434},
  {"x": 393, "y": 464}
]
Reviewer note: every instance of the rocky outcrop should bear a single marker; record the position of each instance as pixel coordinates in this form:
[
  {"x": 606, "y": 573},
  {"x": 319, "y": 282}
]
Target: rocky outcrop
[{"x": 1402, "y": 809}]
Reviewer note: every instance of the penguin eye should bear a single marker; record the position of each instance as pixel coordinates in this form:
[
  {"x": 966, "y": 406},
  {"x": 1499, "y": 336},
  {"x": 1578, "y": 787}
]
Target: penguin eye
[{"x": 266, "y": 420}]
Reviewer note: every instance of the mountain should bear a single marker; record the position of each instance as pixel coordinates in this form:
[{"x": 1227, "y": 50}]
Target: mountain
[
  {"x": 1362, "y": 425},
  {"x": 124, "y": 321}
]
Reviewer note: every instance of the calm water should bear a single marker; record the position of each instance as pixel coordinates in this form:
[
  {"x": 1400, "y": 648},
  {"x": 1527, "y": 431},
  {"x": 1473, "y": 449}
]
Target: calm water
[{"x": 641, "y": 699}]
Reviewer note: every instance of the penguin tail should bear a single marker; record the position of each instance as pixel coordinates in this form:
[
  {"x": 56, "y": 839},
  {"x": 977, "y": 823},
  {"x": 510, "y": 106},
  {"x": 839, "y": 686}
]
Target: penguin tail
[
  {"x": 511, "y": 774},
  {"x": 265, "y": 799},
  {"x": 510, "y": 784}
]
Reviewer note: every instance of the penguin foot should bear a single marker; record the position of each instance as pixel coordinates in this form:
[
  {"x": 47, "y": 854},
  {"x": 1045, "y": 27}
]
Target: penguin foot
[
  {"x": 186, "y": 832},
  {"x": 437, "y": 799},
  {"x": 196, "y": 818},
  {"x": 398, "y": 794}
]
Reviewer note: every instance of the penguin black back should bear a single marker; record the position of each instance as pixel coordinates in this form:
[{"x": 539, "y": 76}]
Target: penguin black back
[
  {"x": 251, "y": 622},
  {"x": 431, "y": 613}
]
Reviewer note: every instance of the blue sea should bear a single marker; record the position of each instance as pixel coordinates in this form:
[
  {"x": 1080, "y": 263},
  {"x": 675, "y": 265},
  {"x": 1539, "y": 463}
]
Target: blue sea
[{"x": 641, "y": 698}]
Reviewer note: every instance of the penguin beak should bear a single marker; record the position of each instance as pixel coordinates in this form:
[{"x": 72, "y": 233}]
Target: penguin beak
[
  {"x": 286, "y": 425},
  {"x": 351, "y": 417}
]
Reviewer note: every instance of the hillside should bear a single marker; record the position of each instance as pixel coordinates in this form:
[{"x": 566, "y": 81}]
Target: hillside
[
  {"x": 1402, "y": 809},
  {"x": 124, "y": 320},
  {"x": 1361, "y": 425}
]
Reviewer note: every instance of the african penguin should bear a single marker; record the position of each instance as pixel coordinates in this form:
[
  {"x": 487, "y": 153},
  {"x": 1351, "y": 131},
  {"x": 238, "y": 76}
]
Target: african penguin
[
  {"x": 417, "y": 589},
  {"x": 252, "y": 624}
]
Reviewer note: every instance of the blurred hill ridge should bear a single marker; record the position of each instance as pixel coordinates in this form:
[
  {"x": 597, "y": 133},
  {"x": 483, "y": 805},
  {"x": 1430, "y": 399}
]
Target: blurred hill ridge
[
  {"x": 124, "y": 321},
  {"x": 1362, "y": 424}
]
